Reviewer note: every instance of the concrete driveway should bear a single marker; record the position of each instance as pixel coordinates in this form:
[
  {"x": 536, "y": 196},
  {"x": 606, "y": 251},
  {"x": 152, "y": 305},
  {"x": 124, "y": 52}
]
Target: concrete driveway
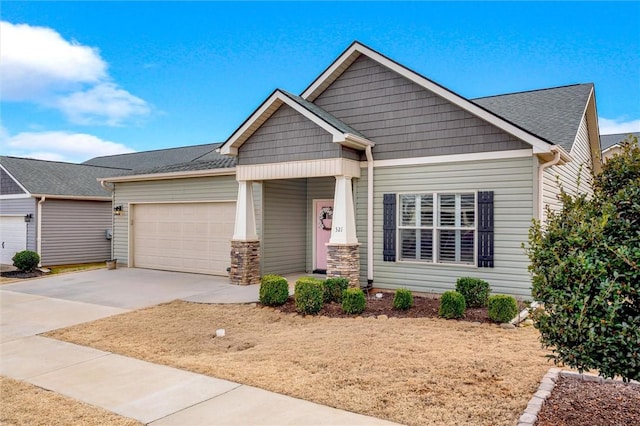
[{"x": 133, "y": 288}]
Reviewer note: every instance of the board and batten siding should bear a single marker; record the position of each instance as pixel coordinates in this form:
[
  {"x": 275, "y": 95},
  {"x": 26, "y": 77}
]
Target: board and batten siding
[
  {"x": 73, "y": 231},
  {"x": 214, "y": 188},
  {"x": 513, "y": 185},
  {"x": 22, "y": 207},
  {"x": 284, "y": 244},
  {"x": 569, "y": 174},
  {"x": 404, "y": 119}
]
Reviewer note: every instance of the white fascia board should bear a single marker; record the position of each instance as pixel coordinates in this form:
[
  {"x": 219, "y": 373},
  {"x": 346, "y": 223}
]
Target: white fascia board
[
  {"x": 453, "y": 158},
  {"x": 72, "y": 197},
  {"x": 171, "y": 175},
  {"x": 15, "y": 180},
  {"x": 14, "y": 196},
  {"x": 538, "y": 144}
]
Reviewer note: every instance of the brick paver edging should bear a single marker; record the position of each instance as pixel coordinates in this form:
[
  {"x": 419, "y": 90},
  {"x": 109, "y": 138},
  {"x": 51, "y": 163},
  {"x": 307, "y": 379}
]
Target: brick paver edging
[{"x": 548, "y": 382}]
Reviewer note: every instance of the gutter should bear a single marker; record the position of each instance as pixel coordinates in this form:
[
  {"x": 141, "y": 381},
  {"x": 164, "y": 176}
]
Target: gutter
[
  {"x": 369, "y": 216},
  {"x": 171, "y": 175},
  {"x": 39, "y": 229}
]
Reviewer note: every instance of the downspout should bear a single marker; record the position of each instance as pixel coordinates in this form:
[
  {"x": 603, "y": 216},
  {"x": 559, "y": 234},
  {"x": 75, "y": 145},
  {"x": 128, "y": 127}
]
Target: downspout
[
  {"x": 39, "y": 229},
  {"x": 543, "y": 167},
  {"x": 369, "y": 216},
  {"x": 110, "y": 188}
]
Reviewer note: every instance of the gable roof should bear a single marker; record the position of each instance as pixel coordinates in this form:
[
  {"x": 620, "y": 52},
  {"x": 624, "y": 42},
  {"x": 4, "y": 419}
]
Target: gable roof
[
  {"x": 607, "y": 141},
  {"x": 156, "y": 158},
  {"x": 54, "y": 178},
  {"x": 554, "y": 114},
  {"x": 539, "y": 143},
  {"x": 341, "y": 132}
]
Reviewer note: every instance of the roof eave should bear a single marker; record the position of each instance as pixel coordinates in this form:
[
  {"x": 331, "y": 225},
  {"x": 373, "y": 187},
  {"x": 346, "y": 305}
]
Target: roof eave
[
  {"x": 229, "y": 171},
  {"x": 73, "y": 197}
]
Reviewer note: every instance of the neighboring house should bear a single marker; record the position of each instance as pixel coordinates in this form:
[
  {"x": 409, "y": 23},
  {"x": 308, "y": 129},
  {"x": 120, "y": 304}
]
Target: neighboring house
[
  {"x": 56, "y": 209},
  {"x": 375, "y": 173},
  {"x": 610, "y": 144}
]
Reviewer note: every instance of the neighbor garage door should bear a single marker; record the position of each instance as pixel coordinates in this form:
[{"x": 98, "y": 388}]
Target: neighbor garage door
[
  {"x": 186, "y": 237},
  {"x": 13, "y": 231}
]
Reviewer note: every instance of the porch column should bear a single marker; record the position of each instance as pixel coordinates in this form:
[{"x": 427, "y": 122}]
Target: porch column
[
  {"x": 245, "y": 246},
  {"x": 343, "y": 255}
]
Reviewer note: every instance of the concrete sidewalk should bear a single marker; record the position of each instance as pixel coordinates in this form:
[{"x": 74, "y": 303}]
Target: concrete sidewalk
[{"x": 150, "y": 393}]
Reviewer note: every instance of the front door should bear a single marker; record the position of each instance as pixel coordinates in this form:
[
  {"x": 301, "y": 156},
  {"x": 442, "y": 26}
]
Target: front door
[{"x": 323, "y": 219}]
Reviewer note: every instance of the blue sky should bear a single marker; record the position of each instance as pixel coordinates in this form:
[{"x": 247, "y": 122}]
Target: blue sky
[{"x": 86, "y": 79}]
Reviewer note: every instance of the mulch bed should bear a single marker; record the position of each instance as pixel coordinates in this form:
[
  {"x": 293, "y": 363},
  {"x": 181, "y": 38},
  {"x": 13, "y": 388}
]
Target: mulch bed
[
  {"x": 423, "y": 307},
  {"x": 21, "y": 274},
  {"x": 576, "y": 402}
]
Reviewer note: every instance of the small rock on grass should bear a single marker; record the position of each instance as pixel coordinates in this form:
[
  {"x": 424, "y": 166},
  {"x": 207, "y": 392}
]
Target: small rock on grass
[
  {"x": 382, "y": 317},
  {"x": 507, "y": 326}
]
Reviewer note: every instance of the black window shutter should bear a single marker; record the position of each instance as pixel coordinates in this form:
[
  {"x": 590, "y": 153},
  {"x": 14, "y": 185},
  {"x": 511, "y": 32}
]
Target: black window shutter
[
  {"x": 389, "y": 228},
  {"x": 485, "y": 229}
]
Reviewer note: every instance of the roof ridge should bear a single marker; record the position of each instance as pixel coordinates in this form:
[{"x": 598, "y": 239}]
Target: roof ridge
[
  {"x": 531, "y": 91},
  {"x": 156, "y": 150},
  {"x": 64, "y": 162}
]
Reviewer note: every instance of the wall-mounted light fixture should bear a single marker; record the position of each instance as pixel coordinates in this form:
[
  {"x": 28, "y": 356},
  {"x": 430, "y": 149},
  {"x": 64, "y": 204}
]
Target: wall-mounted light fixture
[
  {"x": 28, "y": 217},
  {"x": 117, "y": 210}
]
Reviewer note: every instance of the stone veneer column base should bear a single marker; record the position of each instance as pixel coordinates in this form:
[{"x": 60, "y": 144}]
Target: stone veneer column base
[
  {"x": 245, "y": 262},
  {"x": 343, "y": 260}
]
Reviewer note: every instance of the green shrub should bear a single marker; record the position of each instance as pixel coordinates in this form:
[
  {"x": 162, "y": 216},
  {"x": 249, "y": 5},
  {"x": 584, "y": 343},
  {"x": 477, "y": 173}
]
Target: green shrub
[
  {"x": 274, "y": 290},
  {"x": 26, "y": 260},
  {"x": 502, "y": 308},
  {"x": 309, "y": 295},
  {"x": 403, "y": 299},
  {"x": 353, "y": 301},
  {"x": 333, "y": 288},
  {"x": 475, "y": 291},
  {"x": 452, "y": 305}
]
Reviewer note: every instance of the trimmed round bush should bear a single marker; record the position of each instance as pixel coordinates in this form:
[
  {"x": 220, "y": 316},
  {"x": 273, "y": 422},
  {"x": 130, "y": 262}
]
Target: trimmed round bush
[
  {"x": 502, "y": 308},
  {"x": 403, "y": 299},
  {"x": 26, "y": 260},
  {"x": 452, "y": 305},
  {"x": 333, "y": 288},
  {"x": 475, "y": 291},
  {"x": 274, "y": 290},
  {"x": 309, "y": 295},
  {"x": 353, "y": 301}
]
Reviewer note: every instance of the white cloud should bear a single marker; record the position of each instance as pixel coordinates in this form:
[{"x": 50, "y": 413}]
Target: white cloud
[
  {"x": 37, "y": 60},
  {"x": 60, "y": 146},
  {"x": 102, "y": 103},
  {"x": 614, "y": 126},
  {"x": 40, "y": 66}
]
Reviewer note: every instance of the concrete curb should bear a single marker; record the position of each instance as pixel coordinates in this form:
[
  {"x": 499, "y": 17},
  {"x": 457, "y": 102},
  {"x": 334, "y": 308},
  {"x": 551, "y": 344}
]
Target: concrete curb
[{"x": 548, "y": 382}]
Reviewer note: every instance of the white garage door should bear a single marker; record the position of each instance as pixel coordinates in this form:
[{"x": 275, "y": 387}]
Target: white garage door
[
  {"x": 185, "y": 237},
  {"x": 13, "y": 232}
]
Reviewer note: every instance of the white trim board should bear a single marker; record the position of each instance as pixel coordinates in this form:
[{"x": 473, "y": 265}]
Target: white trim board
[{"x": 454, "y": 158}]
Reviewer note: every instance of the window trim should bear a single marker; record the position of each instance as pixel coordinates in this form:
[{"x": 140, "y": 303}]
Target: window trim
[{"x": 435, "y": 227}]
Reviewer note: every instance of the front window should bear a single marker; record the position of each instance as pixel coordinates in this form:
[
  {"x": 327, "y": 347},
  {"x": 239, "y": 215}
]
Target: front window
[{"x": 437, "y": 227}]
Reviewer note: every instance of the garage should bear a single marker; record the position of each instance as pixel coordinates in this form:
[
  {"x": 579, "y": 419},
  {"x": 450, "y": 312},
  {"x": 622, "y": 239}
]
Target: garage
[
  {"x": 13, "y": 231},
  {"x": 184, "y": 237}
]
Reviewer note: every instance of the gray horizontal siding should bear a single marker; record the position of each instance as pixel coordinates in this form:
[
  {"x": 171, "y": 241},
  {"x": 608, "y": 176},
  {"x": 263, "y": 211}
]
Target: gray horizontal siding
[
  {"x": 285, "y": 225},
  {"x": 8, "y": 186},
  {"x": 216, "y": 188},
  {"x": 287, "y": 136},
  {"x": 22, "y": 207},
  {"x": 512, "y": 182},
  {"x": 406, "y": 120},
  {"x": 74, "y": 231},
  {"x": 575, "y": 176}
]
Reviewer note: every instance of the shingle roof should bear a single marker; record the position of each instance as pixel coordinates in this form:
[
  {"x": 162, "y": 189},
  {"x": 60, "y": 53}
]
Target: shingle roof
[
  {"x": 57, "y": 178},
  {"x": 607, "y": 141},
  {"x": 202, "y": 164},
  {"x": 156, "y": 158},
  {"x": 553, "y": 114},
  {"x": 324, "y": 115}
]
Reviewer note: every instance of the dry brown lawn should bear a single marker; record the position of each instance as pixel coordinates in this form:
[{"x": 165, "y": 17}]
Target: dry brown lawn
[
  {"x": 414, "y": 371},
  {"x": 25, "y": 404}
]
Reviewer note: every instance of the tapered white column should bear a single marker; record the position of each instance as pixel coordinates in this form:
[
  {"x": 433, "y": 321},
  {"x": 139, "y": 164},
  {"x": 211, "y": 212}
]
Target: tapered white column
[
  {"x": 245, "y": 226},
  {"x": 343, "y": 229}
]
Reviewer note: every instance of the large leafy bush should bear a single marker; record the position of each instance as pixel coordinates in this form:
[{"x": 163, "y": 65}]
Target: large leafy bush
[
  {"x": 586, "y": 271},
  {"x": 26, "y": 260}
]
